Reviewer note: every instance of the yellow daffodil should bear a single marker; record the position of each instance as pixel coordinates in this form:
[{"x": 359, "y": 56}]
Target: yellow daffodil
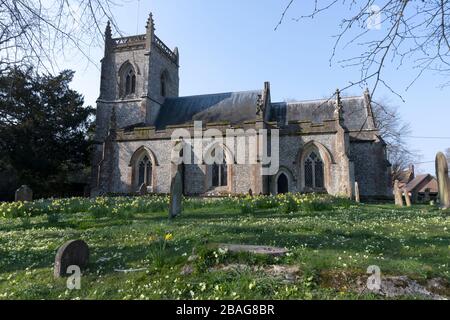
[{"x": 168, "y": 236}]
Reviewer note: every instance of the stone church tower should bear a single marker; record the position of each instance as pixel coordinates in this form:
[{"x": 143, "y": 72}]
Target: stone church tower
[{"x": 137, "y": 74}]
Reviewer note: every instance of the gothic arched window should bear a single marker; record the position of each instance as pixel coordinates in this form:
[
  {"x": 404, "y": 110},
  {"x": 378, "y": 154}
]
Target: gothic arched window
[
  {"x": 219, "y": 172},
  {"x": 314, "y": 173},
  {"x": 145, "y": 172}
]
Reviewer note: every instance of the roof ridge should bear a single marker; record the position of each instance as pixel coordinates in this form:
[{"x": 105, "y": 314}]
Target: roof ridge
[
  {"x": 317, "y": 100},
  {"x": 213, "y": 94}
]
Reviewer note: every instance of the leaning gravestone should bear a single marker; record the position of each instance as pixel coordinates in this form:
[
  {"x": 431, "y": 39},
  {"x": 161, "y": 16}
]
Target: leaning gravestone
[
  {"x": 398, "y": 195},
  {"x": 176, "y": 194},
  {"x": 74, "y": 252},
  {"x": 443, "y": 180},
  {"x": 24, "y": 193}
]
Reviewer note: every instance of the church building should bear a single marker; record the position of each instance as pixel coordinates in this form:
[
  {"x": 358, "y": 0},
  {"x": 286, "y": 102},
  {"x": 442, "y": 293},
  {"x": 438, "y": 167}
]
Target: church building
[{"x": 325, "y": 145}]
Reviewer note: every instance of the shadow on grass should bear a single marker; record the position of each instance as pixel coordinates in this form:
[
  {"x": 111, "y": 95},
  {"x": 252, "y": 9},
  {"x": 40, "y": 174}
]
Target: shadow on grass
[
  {"x": 328, "y": 239},
  {"x": 218, "y": 231},
  {"x": 39, "y": 225},
  {"x": 25, "y": 258}
]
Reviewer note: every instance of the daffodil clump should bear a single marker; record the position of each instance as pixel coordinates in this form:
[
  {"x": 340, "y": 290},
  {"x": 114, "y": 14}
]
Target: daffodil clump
[
  {"x": 43, "y": 207},
  {"x": 158, "y": 243},
  {"x": 292, "y": 202},
  {"x": 98, "y": 207},
  {"x": 126, "y": 207}
]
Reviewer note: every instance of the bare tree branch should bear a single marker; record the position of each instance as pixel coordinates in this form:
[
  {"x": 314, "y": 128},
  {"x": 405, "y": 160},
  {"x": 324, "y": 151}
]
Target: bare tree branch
[
  {"x": 38, "y": 32},
  {"x": 418, "y": 31},
  {"x": 394, "y": 131}
]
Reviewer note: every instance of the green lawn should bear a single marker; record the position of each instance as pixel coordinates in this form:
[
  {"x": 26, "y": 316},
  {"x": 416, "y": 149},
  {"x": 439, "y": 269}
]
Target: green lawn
[{"x": 331, "y": 245}]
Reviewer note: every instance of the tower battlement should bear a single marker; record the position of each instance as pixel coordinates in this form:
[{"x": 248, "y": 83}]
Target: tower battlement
[{"x": 138, "y": 42}]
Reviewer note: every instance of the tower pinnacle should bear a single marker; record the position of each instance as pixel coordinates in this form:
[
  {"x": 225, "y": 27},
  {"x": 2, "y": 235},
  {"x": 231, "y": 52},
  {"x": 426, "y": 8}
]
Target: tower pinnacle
[
  {"x": 150, "y": 22},
  {"x": 338, "y": 106}
]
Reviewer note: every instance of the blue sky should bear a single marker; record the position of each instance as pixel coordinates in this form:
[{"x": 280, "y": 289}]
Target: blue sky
[{"x": 231, "y": 45}]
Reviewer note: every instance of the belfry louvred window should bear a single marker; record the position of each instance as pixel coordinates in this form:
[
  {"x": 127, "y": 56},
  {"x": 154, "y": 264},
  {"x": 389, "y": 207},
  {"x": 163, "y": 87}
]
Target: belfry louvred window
[{"x": 130, "y": 82}]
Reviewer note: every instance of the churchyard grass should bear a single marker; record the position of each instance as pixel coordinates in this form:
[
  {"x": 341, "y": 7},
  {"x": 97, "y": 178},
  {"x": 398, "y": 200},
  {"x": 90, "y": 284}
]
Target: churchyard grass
[{"x": 332, "y": 241}]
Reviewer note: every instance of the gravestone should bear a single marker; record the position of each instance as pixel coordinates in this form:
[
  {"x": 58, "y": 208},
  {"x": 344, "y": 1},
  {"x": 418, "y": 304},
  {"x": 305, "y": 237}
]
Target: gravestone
[
  {"x": 407, "y": 198},
  {"x": 255, "y": 249},
  {"x": 24, "y": 193},
  {"x": 143, "y": 189},
  {"x": 443, "y": 180},
  {"x": 176, "y": 194},
  {"x": 427, "y": 195},
  {"x": 74, "y": 252},
  {"x": 398, "y": 195},
  {"x": 357, "y": 197}
]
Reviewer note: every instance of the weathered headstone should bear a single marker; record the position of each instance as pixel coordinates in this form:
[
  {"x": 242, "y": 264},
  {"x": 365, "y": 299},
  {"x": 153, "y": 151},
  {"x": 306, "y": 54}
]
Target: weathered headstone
[
  {"x": 176, "y": 195},
  {"x": 74, "y": 252},
  {"x": 256, "y": 249},
  {"x": 407, "y": 198},
  {"x": 24, "y": 193},
  {"x": 398, "y": 195},
  {"x": 357, "y": 197},
  {"x": 443, "y": 180},
  {"x": 143, "y": 189},
  {"x": 427, "y": 195}
]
